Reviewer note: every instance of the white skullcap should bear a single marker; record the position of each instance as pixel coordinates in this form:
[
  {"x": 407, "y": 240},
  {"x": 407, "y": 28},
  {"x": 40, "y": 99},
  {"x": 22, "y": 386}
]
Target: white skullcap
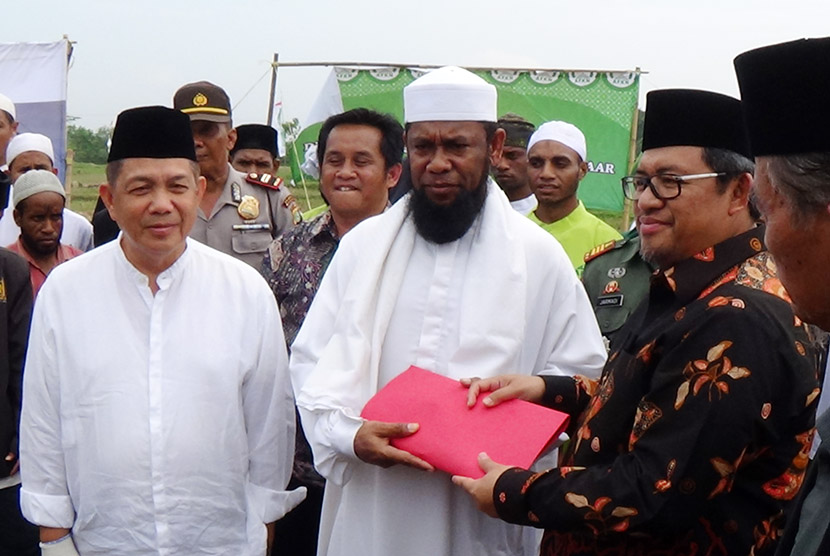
[
  {"x": 449, "y": 94},
  {"x": 562, "y": 132},
  {"x": 34, "y": 182},
  {"x": 26, "y": 142},
  {"x": 7, "y": 105}
]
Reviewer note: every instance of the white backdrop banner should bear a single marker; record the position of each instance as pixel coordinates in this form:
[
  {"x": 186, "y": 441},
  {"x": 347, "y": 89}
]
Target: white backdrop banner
[{"x": 34, "y": 76}]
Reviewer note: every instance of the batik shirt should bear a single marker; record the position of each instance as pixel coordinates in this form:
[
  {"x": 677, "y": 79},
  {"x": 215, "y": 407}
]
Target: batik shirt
[
  {"x": 294, "y": 265},
  {"x": 697, "y": 436}
]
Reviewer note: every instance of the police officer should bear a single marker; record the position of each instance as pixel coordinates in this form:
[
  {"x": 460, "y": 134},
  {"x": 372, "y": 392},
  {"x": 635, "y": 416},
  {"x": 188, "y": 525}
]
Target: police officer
[
  {"x": 239, "y": 214},
  {"x": 616, "y": 278},
  {"x": 255, "y": 150}
]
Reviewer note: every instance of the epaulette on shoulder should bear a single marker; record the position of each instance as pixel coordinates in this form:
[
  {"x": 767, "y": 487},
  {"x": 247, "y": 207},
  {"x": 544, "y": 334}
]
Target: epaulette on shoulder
[
  {"x": 264, "y": 180},
  {"x": 599, "y": 250}
]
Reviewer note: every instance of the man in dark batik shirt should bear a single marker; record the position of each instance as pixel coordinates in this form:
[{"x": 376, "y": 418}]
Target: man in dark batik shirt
[
  {"x": 696, "y": 438},
  {"x": 359, "y": 153}
]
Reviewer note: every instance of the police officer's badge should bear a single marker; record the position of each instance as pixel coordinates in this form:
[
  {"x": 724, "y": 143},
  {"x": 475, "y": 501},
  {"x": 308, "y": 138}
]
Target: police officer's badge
[
  {"x": 200, "y": 100},
  {"x": 248, "y": 208}
]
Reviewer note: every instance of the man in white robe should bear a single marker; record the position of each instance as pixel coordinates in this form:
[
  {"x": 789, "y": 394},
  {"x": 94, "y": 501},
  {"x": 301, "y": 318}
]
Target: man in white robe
[
  {"x": 157, "y": 411},
  {"x": 453, "y": 280}
]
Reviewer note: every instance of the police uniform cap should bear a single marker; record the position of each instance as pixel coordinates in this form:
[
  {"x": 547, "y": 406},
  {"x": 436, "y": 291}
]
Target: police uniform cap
[
  {"x": 256, "y": 136},
  {"x": 203, "y": 100},
  {"x": 784, "y": 95},
  {"x": 152, "y": 132},
  {"x": 689, "y": 117}
]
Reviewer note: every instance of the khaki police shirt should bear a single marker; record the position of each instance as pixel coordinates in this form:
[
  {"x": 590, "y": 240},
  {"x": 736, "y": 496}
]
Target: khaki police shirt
[{"x": 245, "y": 239}]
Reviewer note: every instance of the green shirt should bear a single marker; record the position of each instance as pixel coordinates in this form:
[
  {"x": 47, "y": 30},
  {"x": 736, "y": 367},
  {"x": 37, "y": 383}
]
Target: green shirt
[
  {"x": 617, "y": 280},
  {"x": 579, "y": 232}
]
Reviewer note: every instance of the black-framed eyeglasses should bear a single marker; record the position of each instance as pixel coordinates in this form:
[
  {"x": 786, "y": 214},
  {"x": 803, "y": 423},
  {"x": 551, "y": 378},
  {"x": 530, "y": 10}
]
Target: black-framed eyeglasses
[{"x": 663, "y": 186}]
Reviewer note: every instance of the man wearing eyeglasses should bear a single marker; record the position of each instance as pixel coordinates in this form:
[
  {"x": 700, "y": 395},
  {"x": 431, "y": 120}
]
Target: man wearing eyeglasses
[{"x": 696, "y": 437}]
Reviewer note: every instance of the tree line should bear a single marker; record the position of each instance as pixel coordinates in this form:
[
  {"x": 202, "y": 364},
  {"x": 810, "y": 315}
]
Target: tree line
[{"x": 89, "y": 145}]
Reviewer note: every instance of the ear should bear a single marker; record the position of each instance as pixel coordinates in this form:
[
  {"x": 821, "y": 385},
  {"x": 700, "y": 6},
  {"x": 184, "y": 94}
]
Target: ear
[
  {"x": 739, "y": 193},
  {"x": 393, "y": 175},
  {"x": 55, "y": 171},
  {"x": 496, "y": 146},
  {"x": 276, "y": 165},
  {"x": 105, "y": 192},
  {"x": 583, "y": 170},
  {"x": 201, "y": 184},
  {"x": 231, "y": 139},
  {"x": 17, "y": 217}
]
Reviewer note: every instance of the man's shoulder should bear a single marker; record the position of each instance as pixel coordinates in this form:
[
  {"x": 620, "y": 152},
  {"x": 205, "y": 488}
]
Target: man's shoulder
[
  {"x": 612, "y": 251},
  {"x": 87, "y": 269},
  {"x": 12, "y": 264},
  {"x": 214, "y": 265}
]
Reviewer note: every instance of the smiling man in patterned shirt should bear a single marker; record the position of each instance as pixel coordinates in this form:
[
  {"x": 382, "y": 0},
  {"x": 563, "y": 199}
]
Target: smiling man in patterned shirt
[
  {"x": 360, "y": 153},
  {"x": 696, "y": 437}
]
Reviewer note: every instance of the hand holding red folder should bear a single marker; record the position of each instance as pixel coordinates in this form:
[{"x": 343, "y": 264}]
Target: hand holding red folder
[{"x": 451, "y": 435}]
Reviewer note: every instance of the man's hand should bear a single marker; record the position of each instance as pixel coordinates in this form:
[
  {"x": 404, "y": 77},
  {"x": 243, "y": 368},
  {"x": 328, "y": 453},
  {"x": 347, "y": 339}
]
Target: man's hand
[
  {"x": 270, "y": 528},
  {"x": 482, "y": 489},
  {"x": 16, "y": 467},
  {"x": 371, "y": 444},
  {"x": 503, "y": 388}
]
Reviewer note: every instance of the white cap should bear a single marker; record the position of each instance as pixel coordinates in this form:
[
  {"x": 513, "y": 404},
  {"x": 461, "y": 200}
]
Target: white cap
[
  {"x": 562, "y": 132},
  {"x": 449, "y": 94},
  {"x": 25, "y": 142},
  {"x": 7, "y": 105},
  {"x": 34, "y": 182}
]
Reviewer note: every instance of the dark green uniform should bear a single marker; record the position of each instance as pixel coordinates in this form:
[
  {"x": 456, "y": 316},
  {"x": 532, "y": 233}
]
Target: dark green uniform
[{"x": 616, "y": 279}]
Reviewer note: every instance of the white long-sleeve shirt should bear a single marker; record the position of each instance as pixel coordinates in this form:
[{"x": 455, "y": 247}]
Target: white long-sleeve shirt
[
  {"x": 370, "y": 511},
  {"x": 157, "y": 424}
]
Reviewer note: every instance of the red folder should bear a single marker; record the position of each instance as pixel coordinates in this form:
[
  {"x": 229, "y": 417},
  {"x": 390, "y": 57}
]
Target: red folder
[{"x": 451, "y": 435}]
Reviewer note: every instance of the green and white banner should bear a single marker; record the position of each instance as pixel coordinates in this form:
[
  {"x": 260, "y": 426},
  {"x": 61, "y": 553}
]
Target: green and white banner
[{"x": 602, "y": 104}]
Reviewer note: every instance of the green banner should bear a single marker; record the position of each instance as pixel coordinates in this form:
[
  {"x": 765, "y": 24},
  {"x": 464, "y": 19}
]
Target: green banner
[{"x": 603, "y": 105}]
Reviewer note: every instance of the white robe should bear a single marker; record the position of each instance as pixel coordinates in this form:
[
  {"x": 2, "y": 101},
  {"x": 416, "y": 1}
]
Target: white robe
[
  {"x": 157, "y": 424},
  {"x": 370, "y": 511},
  {"x": 525, "y": 206}
]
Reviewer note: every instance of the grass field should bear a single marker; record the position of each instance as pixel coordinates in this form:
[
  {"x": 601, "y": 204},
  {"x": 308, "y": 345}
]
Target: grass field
[{"x": 87, "y": 177}]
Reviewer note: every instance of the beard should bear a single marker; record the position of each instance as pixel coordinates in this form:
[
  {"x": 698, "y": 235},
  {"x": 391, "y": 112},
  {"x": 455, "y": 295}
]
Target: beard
[{"x": 446, "y": 223}]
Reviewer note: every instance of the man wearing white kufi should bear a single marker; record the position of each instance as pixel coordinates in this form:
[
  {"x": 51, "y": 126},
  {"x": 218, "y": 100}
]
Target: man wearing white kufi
[
  {"x": 33, "y": 151},
  {"x": 453, "y": 280},
  {"x": 556, "y": 155}
]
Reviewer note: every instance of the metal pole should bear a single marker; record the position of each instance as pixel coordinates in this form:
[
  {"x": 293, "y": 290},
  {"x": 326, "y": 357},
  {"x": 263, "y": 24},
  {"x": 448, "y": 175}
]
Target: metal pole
[
  {"x": 272, "y": 96},
  {"x": 632, "y": 155}
]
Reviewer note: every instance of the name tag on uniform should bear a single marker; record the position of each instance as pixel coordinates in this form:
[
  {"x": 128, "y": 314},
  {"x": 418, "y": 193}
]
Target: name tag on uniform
[
  {"x": 615, "y": 300},
  {"x": 251, "y": 227}
]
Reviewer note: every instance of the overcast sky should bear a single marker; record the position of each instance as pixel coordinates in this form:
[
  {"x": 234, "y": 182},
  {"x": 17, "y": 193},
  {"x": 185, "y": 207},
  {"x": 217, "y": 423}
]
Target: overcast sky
[{"x": 138, "y": 53}]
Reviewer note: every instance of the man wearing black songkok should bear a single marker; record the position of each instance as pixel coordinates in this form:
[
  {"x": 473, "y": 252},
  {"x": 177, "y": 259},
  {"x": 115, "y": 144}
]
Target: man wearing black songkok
[
  {"x": 255, "y": 150},
  {"x": 157, "y": 411},
  {"x": 695, "y": 437},
  {"x": 784, "y": 94}
]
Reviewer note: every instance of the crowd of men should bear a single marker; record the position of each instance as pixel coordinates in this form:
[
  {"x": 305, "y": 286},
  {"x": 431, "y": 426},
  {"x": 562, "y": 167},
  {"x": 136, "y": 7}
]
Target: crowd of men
[{"x": 158, "y": 396}]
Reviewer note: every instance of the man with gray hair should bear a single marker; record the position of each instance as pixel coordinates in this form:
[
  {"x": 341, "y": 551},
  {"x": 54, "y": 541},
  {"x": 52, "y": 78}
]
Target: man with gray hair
[
  {"x": 239, "y": 214},
  {"x": 787, "y": 121},
  {"x": 415, "y": 286}
]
